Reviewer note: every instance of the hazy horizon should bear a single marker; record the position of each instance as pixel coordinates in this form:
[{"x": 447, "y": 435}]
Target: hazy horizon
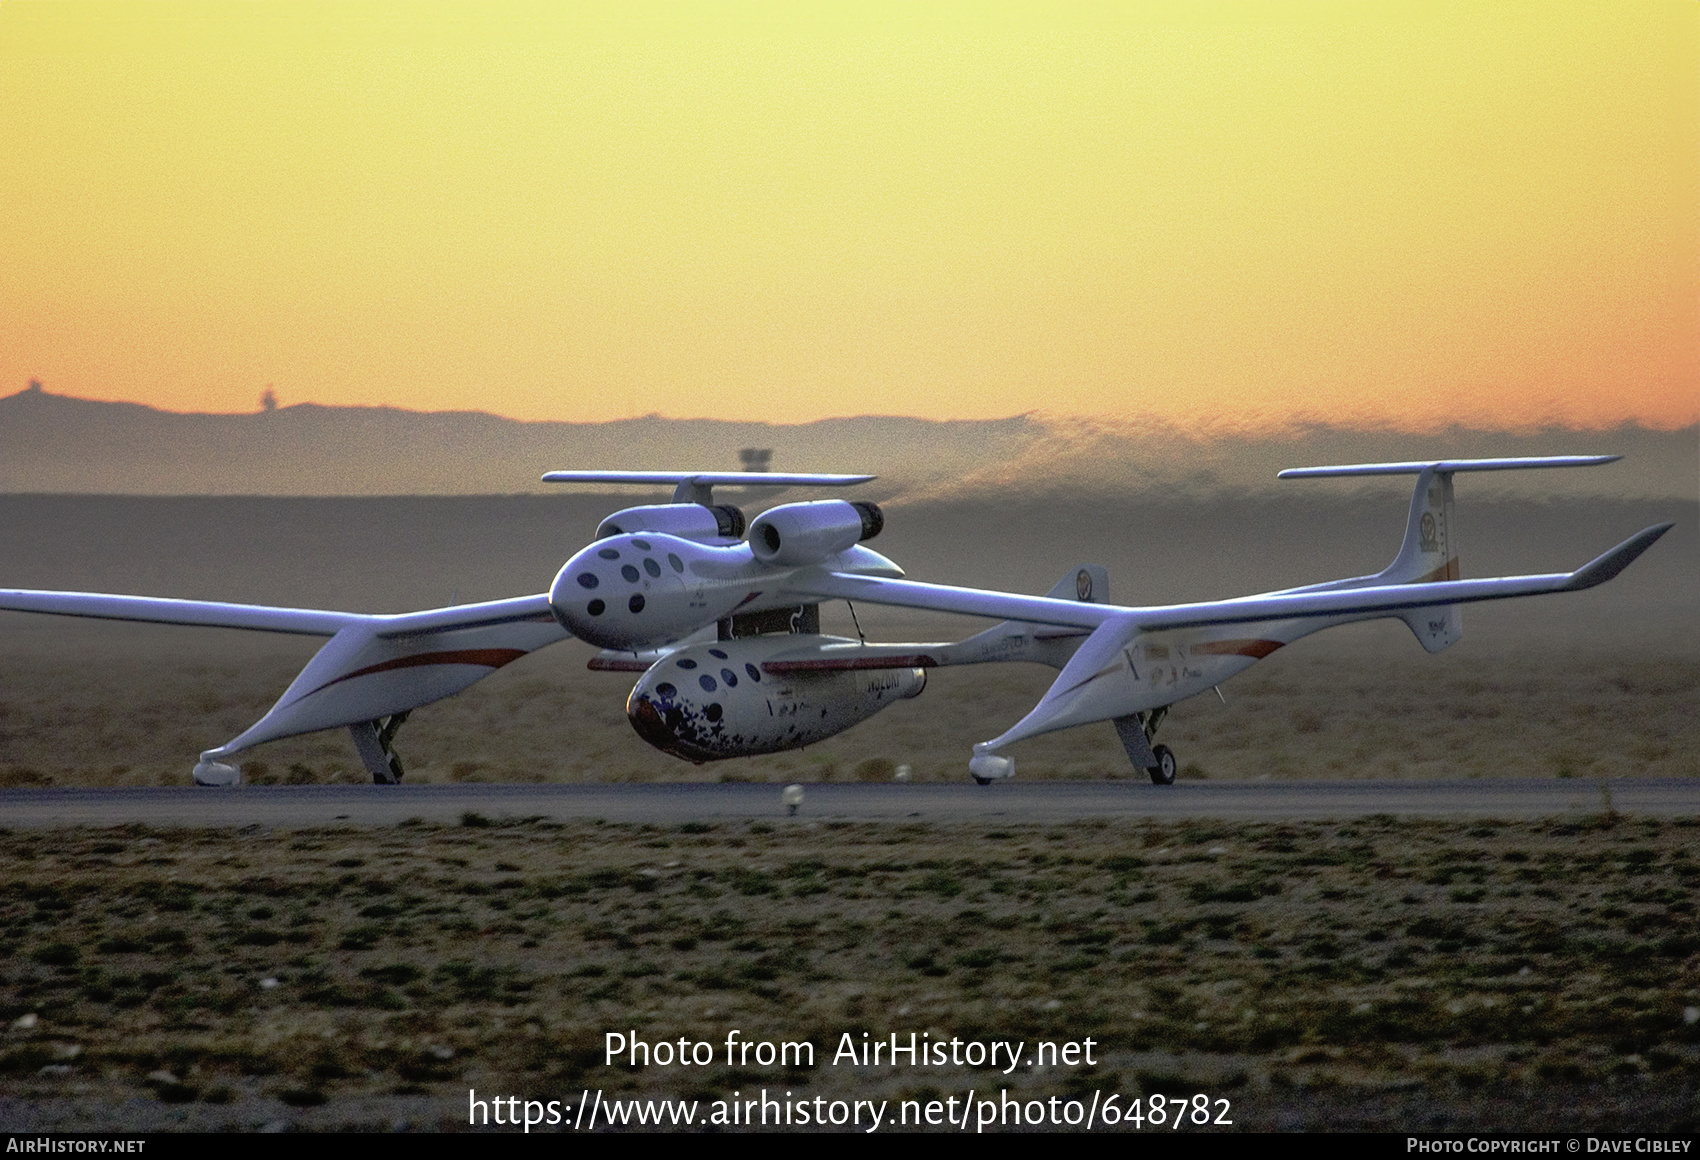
[{"x": 54, "y": 443}]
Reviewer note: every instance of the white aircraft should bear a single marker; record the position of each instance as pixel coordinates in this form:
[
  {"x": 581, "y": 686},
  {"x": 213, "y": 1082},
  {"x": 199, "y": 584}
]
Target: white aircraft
[{"x": 726, "y": 628}]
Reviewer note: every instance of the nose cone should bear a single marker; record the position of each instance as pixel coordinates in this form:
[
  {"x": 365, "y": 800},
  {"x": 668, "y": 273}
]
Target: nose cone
[
  {"x": 623, "y": 593},
  {"x": 577, "y": 600}
]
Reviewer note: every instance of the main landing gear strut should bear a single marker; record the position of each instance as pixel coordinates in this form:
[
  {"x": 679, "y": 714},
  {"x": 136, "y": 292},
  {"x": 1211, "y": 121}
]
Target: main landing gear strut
[
  {"x": 372, "y": 739},
  {"x": 1136, "y": 731}
]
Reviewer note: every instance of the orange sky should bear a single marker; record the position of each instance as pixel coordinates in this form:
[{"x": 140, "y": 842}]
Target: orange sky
[{"x": 1402, "y": 214}]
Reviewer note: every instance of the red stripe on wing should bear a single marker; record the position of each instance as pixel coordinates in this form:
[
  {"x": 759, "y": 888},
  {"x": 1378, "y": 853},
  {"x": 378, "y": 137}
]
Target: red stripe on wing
[
  {"x": 493, "y": 658},
  {"x": 1257, "y": 649}
]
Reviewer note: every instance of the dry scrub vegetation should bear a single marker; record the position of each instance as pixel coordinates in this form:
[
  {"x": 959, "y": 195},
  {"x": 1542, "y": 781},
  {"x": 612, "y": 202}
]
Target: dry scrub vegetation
[{"x": 1376, "y": 973}]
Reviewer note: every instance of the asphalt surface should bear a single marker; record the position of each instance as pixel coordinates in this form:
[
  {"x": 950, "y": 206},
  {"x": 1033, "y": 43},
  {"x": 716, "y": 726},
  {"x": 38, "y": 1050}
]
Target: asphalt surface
[{"x": 372, "y": 805}]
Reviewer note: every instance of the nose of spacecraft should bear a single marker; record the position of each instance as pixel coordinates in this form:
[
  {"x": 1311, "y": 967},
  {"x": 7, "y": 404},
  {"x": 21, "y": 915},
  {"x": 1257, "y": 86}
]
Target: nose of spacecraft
[{"x": 579, "y": 597}]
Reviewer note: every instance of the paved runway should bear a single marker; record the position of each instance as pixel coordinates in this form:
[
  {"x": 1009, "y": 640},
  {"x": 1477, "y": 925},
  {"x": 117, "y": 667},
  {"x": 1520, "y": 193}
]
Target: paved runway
[{"x": 371, "y": 805}]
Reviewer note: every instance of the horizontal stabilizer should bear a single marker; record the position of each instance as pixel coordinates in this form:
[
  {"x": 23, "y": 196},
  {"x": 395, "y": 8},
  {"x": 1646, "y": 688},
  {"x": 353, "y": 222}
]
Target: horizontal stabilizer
[
  {"x": 698, "y": 486},
  {"x": 723, "y": 478},
  {"x": 1442, "y": 465}
]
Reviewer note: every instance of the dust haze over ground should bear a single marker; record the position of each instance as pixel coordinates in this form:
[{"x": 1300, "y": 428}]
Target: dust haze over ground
[{"x": 57, "y": 444}]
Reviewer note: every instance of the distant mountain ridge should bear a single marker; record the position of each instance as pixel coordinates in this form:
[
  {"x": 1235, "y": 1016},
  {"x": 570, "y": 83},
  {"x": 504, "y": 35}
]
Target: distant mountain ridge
[{"x": 58, "y": 444}]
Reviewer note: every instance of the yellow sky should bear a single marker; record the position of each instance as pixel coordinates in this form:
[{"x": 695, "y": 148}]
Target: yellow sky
[{"x": 1401, "y": 214}]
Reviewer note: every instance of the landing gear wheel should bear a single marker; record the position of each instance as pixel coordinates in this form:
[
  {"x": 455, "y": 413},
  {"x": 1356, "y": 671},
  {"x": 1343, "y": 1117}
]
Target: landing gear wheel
[
  {"x": 1163, "y": 773},
  {"x": 978, "y": 780}
]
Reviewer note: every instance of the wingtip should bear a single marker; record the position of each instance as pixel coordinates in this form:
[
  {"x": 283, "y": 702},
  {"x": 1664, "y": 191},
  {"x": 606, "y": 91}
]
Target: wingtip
[{"x": 1608, "y": 565}]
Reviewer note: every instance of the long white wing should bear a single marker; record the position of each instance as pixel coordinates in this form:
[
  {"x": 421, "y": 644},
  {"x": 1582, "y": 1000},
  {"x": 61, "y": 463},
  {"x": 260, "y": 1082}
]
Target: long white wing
[
  {"x": 492, "y": 612},
  {"x": 1270, "y": 606},
  {"x": 262, "y": 618},
  {"x": 206, "y": 613},
  {"x": 372, "y": 667}
]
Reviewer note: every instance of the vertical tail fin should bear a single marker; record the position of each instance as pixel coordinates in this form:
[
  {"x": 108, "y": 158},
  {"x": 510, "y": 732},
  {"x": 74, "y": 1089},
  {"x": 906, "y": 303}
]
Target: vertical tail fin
[
  {"x": 1430, "y": 551},
  {"x": 1428, "y": 555},
  {"x": 1044, "y": 644},
  {"x": 1089, "y": 583}
]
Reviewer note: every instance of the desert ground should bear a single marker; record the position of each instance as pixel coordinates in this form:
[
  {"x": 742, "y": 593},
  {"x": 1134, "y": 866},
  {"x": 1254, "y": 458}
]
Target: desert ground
[
  {"x": 1380, "y": 973},
  {"x": 1377, "y": 974}
]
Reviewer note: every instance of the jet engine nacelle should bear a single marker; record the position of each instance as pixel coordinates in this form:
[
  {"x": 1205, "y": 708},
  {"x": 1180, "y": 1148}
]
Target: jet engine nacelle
[
  {"x": 798, "y": 534},
  {"x": 713, "y": 701},
  {"x": 688, "y": 521}
]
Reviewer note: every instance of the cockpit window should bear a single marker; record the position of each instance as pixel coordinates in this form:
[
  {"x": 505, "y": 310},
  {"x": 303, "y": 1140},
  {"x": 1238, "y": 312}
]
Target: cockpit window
[{"x": 609, "y": 554}]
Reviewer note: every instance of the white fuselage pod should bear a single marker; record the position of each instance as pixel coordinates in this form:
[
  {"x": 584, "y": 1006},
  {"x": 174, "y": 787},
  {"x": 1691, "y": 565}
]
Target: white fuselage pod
[
  {"x": 1153, "y": 670},
  {"x": 713, "y": 701},
  {"x": 632, "y": 592}
]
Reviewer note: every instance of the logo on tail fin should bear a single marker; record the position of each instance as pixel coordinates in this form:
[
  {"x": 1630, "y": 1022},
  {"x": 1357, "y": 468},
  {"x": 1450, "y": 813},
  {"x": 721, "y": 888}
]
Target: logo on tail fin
[
  {"x": 1083, "y": 586},
  {"x": 1428, "y": 541}
]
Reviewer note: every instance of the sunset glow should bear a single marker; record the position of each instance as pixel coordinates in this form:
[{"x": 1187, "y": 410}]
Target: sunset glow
[{"x": 1379, "y": 213}]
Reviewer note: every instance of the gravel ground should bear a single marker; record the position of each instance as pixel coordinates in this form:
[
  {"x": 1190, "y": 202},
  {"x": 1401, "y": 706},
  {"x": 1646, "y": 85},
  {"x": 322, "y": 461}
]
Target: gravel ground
[{"x": 1372, "y": 974}]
